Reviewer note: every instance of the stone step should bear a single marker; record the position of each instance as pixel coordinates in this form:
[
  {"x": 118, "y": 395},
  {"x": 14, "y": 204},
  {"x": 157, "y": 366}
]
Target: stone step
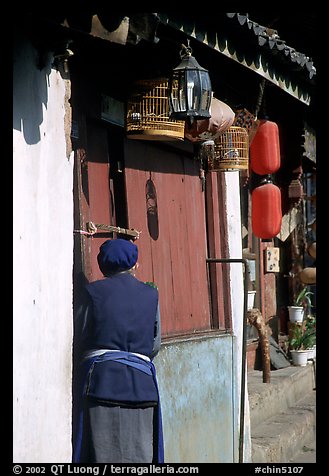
[
  {"x": 282, "y": 437},
  {"x": 287, "y": 386},
  {"x": 307, "y": 454}
]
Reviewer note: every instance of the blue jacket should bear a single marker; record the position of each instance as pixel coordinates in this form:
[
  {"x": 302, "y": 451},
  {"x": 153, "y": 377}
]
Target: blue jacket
[{"x": 122, "y": 318}]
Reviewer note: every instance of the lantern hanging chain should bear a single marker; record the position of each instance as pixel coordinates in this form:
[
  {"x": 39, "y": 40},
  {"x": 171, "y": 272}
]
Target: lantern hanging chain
[
  {"x": 260, "y": 97},
  {"x": 186, "y": 50}
]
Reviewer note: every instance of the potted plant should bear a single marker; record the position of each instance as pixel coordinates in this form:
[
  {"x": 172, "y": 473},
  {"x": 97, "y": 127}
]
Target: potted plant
[
  {"x": 302, "y": 340},
  {"x": 302, "y": 302},
  {"x": 310, "y": 336},
  {"x": 299, "y": 354}
]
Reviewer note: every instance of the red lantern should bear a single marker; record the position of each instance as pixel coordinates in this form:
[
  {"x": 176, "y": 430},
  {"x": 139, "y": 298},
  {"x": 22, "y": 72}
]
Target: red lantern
[
  {"x": 266, "y": 213},
  {"x": 265, "y": 149}
]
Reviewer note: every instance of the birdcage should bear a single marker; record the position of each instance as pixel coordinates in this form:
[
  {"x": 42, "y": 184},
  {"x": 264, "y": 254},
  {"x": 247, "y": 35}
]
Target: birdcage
[
  {"x": 231, "y": 150},
  {"x": 148, "y": 113}
]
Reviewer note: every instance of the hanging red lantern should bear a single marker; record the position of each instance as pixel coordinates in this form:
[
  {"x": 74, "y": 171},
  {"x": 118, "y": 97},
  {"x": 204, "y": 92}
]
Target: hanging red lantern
[
  {"x": 266, "y": 212},
  {"x": 265, "y": 149}
]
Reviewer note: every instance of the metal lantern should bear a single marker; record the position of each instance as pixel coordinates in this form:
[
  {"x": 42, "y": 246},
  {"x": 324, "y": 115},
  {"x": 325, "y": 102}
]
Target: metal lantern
[{"x": 189, "y": 89}]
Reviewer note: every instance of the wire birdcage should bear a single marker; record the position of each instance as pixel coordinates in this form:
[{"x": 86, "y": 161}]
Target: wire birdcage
[
  {"x": 231, "y": 151},
  {"x": 148, "y": 113}
]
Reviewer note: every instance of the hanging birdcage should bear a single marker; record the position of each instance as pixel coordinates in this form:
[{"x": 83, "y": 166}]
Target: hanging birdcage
[
  {"x": 231, "y": 151},
  {"x": 148, "y": 113}
]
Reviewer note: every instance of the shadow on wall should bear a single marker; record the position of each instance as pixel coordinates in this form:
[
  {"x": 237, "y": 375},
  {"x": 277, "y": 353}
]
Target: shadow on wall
[{"x": 30, "y": 88}]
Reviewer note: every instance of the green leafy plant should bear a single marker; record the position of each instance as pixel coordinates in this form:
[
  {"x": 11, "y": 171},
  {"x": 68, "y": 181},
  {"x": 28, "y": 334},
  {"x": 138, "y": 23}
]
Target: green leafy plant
[
  {"x": 296, "y": 340},
  {"x": 310, "y": 332},
  {"x": 303, "y": 336},
  {"x": 304, "y": 300}
]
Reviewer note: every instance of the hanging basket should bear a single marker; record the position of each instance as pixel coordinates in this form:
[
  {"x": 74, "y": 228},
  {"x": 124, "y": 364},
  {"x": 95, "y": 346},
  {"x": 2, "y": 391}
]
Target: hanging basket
[
  {"x": 244, "y": 118},
  {"x": 148, "y": 113},
  {"x": 231, "y": 151}
]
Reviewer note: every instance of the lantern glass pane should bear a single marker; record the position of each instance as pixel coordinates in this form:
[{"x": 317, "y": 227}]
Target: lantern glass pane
[
  {"x": 173, "y": 94},
  {"x": 205, "y": 90},
  {"x": 177, "y": 93},
  {"x": 192, "y": 90},
  {"x": 182, "y": 106}
]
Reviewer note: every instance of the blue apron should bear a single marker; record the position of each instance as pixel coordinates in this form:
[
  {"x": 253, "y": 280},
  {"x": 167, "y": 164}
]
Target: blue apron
[{"x": 126, "y": 358}]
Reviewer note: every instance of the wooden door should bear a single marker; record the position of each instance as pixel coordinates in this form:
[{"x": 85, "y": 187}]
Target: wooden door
[
  {"x": 100, "y": 209},
  {"x": 157, "y": 191},
  {"x": 95, "y": 191},
  {"x": 165, "y": 201}
]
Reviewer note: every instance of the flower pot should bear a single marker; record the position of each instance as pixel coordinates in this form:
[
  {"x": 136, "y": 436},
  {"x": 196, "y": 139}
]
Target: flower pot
[
  {"x": 251, "y": 299},
  {"x": 296, "y": 314},
  {"x": 299, "y": 357},
  {"x": 312, "y": 353}
]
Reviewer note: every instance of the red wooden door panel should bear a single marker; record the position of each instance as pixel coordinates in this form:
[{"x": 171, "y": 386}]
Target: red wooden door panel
[
  {"x": 97, "y": 205},
  {"x": 217, "y": 242},
  {"x": 164, "y": 200},
  {"x": 175, "y": 259}
]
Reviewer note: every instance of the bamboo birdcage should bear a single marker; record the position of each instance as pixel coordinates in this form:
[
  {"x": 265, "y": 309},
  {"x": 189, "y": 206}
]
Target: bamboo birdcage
[
  {"x": 231, "y": 150},
  {"x": 148, "y": 113}
]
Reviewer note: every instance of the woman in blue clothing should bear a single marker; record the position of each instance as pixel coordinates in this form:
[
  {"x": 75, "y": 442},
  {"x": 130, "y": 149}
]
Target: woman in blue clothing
[{"x": 119, "y": 417}]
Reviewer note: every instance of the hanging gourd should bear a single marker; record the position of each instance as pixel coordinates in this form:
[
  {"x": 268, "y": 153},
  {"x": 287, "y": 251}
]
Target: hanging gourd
[
  {"x": 265, "y": 149},
  {"x": 308, "y": 275},
  {"x": 266, "y": 212},
  {"x": 312, "y": 250}
]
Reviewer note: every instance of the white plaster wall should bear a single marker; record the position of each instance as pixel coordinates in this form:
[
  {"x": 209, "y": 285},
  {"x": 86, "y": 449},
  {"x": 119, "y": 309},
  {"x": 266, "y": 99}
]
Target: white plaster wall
[
  {"x": 233, "y": 216},
  {"x": 42, "y": 264}
]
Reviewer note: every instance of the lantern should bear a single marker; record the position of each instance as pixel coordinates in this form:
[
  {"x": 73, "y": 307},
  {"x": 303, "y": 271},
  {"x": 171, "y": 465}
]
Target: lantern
[
  {"x": 189, "y": 89},
  {"x": 222, "y": 117},
  {"x": 266, "y": 213},
  {"x": 265, "y": 149}
]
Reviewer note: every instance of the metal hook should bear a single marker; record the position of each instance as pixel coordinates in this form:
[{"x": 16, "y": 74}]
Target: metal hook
[{"x": 186, "y": 50}]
